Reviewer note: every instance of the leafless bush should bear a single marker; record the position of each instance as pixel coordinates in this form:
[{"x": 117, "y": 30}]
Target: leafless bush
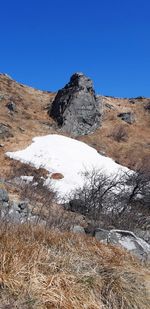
[
  {"x": 139, "y": 193},
  {"x": 98, "y": 194},
  {"x": 119, "y": 201},
  {"x": 120, "y": 134}
]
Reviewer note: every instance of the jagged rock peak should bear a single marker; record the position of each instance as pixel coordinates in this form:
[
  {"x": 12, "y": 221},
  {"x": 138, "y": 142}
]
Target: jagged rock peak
[
  {"x": 80, "y": 80},
  {"x": 75, "y": 107}
]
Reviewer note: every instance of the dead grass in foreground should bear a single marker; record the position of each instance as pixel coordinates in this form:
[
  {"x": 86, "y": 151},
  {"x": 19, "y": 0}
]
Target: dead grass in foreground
[{"x": 51, "y": 269}]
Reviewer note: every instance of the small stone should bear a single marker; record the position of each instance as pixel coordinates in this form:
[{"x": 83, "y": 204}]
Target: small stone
[
  {"x": 21, "y": 129},
  {"x": 5, "y": 131},
  {"x": 11, "y": 106},
  {"x": 4, "y": 195},
  {"x": 101, "y": 234},
  {"x": 78, "y": 229}
]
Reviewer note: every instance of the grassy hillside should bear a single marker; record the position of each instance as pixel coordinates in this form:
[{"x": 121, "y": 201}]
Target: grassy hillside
[{"x": 51, "y": 269}]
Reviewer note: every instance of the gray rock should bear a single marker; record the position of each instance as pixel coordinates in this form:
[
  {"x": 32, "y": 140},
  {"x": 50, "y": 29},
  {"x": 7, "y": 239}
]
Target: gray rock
[
  {"x": 4, "y": 196},
  {"x": 1, "y": 97},
  {"x": 101, "y": 235},
  {"x": 5, "y": 204},
  {"x": 75, "y": 107},
  {"x": 21, "y": 129},
  {"x": 127, "y": 117},
  {"x": 126, "y": 239},
  {"x": 5, "y": 131},
  {"x": 144, "y": 234},
  {"x": 78, "y": 229},
  {"x": 16, "y": 211},
  {"x": 11, "y": 106},
  {"x": 131, "y": 242},
  {"x": 109, "y": 106},
  {"x": 20, "y": 207}
]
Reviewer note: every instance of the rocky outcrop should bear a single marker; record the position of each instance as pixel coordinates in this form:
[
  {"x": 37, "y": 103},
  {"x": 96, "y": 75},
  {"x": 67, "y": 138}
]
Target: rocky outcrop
[
  {"x": 16, "y": 211},
  {"x": 127, "y": 240},
  {"x": 127, "y": 117},
  {"x": 5, "y": 131},
  {"x": 75, "y": 107}
]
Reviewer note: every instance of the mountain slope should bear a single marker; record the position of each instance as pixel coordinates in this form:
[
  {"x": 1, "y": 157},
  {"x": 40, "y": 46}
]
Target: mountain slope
[
  {"x": 31, "y": 119},
  {"x": 42, "y": 265}
]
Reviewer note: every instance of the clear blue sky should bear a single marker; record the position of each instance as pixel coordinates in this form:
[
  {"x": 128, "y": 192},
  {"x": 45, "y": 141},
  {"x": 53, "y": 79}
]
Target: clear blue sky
[{"x": 43, "y": 42}]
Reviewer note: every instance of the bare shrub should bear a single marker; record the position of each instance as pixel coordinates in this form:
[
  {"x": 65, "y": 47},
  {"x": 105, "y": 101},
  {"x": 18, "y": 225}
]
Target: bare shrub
[
  {"x": 119, "y": 201},
  {"x": 139, "y": 183},
  {"x": 119, "y": 133},
  {"x": 98, "y": 195}
]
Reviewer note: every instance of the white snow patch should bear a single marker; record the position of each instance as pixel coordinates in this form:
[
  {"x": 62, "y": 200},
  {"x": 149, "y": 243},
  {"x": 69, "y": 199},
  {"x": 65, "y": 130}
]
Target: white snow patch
[
  {"x": 60, "y": 154},
  {"x": 27, "y": 179}
]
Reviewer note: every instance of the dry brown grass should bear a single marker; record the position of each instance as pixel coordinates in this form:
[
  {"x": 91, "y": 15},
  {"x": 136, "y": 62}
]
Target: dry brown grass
[
  {"x": 51, "y": 269},
  {"x": 136, "y": 147}
]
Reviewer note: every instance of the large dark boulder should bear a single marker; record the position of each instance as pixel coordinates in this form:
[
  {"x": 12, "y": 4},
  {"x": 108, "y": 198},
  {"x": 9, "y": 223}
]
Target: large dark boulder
[{"x": 75, "y": 107}]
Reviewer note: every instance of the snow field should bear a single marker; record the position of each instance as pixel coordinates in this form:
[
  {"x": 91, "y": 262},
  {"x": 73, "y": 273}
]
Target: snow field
[{"x": 60, "y": 154}]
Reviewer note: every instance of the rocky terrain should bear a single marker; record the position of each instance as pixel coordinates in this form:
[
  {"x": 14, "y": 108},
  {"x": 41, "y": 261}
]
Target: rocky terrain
[{"x": 116, "y": 127}]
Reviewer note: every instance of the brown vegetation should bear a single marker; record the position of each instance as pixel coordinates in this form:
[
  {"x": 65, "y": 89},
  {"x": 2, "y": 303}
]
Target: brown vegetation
[
  {"x": 137, "y": 146},
  {"x": 119, "y": 133},
  {"x": 50, "y": 269}
]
